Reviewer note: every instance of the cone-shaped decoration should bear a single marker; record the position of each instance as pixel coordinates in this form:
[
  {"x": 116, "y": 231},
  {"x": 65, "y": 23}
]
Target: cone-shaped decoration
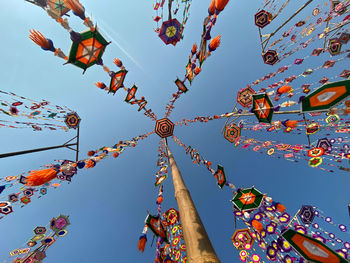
[
  {"x": 142, "y": 243},
  {"x": 220, "y": 5},
  {"x": 214, "y": 43},
  {"x": 194, "y": 49},
  {"x": 211, "y": 9},
  {"x": 118, "y": 62},
  {"x": 198, "y": 246},
  {"x": 77, "y": 8},
  {"x": 41, "y": 177},
  {"x": 39, "y": 39},
  {"x": 100, "y": 85}
]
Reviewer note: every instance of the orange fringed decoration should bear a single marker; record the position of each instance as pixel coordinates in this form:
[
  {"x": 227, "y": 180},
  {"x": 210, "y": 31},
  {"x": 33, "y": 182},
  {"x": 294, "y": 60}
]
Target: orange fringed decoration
[
  {"x": 284, "y": 89},
  {"x": 214, "y": 43},
  {"x": 40, "y": 40},
  {"x": 106, "y": 69},
  {"x": 280, "y": 207},
  {"x": 211, "y": 9},
  {"x": 159, "y": 199},
  {"x": 290, "y": 123},
  {"x": 89, "y": 164},
  {"x": 142, "y": 243},
  {"x": 75, "y": 6},
  {"x": 41, "y": 177},
  {"x": 100, "y": 85},
  {"x": 91, "y": 153},
  {"x": 115, "y": 155},
  {"x": 118, "y": 62},
  {"x": 220, "y": 5},
  {"x": 257, "y": 225},
  {"x": 197, "y": 70},
  {"x": 194, "y": 49}
]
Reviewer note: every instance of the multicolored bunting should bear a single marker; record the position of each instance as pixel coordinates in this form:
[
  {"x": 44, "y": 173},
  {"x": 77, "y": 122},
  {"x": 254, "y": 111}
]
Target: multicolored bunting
[
  {"x": 47, "y": 116},
  {"x": 87, "y": 50},
  {"x": 43, "y": 238},
  {"x": 219, "y": 174},
  {"x": 27, "y": 185}
]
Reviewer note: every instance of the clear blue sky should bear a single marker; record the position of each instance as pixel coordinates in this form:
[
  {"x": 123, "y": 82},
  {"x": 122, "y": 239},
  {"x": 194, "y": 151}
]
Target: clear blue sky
[{"x": 107, "y": 204}]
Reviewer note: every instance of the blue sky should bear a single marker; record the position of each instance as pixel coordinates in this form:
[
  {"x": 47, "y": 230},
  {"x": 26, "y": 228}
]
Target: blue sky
[{"x": 107, "y": 205}]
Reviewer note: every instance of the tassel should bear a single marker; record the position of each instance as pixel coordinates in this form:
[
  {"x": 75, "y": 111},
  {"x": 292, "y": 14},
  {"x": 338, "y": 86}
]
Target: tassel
[
  {"x": 290, "y": 123},
  {"x": 142, "y": 243},
  {"x": 118, "y": 62},
  {"x": 194, "y": 49},
  {"x": 41, "y": 177},
  {"x": 214, "y": 43},
  {"x": 211, "y": 9},
  {"x": 100, "y": 85},
  {"x": 220, "y": 5},
  {"x": 39, "y": 39},
  {"x": 89, "y": 164},
  {"x": 197, "y": 70},
  {"x": 280, "y": 207},
  {"x": 159, "y": 200},
  {"x": 91, "y": 153},
  {"x": 115, "y": 155},
  {"x": 284, "y": 89},
  {"x": 77, "y": 8},
  {"x": 257, "y": 225}
]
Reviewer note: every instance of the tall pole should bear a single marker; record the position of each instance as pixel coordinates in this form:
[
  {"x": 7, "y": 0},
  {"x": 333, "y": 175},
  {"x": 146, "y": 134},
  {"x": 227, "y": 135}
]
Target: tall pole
[{"x": 198, "y": 246}]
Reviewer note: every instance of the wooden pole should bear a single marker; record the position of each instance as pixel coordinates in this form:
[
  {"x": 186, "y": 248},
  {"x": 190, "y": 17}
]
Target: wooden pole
[{"x": 198, "y": 246}]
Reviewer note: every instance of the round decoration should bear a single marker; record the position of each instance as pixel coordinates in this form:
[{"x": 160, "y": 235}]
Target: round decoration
[
  {"x": 300, "y": 24},
  {"x": 61, "y": 222},
  {"x": 43, "y": 190},
  {"x": 67, "y": 168},
  {"x": 11, "y": 178},
  {"x": 256, "y": 148},
  {"x": 176, "y": 241},
  {"x": 28, "y": 192},
  {"x": 6, "y": 210},
  {"x": 270, "y": 57},
  {"x": 160, "y": 180},
  {"x": 232, "y": 132},
  {"x": 164, "y": 128},
  {"x": 332, "y": 119},
  {"x": 312, "y": 128},
  {"x": 334, "y": 46},
  {"x": 39, "y": 255},
  {"x": 38, "y": 237},
  {"x": 283, "y": 146},
  {"x": 25, "y": 200},
  {"x": 4, "y": 204},
  {"x": 271, "y": 151},
  {"x": 316, "y": 152},
  {"x": 314, "y": 162},
  {"x": 48, "y": 241},
  {"x": 262, "y": 18},
  {"x": 62, "y": 233},
  {"x": 31, "y": 243},
  {"x": 315, "y": 12},
  {"x": 245, "y": 97},
  {"x": 72, "y": 120},
  {"x": 174, "y": 230},
  {"x": 39, "y": 230}
]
